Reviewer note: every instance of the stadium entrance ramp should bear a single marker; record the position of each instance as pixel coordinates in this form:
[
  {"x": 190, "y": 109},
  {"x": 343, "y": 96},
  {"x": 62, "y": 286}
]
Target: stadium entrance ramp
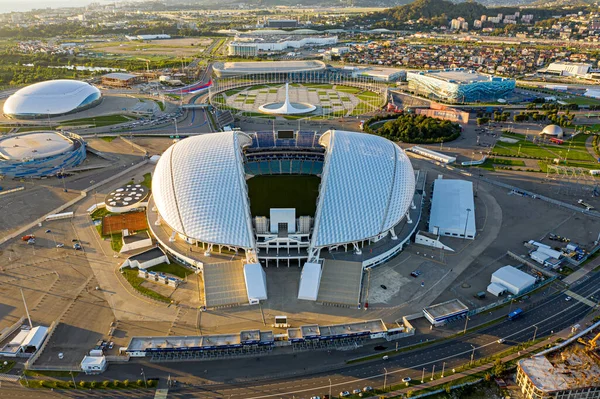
[{"x": 340, "y": 282}]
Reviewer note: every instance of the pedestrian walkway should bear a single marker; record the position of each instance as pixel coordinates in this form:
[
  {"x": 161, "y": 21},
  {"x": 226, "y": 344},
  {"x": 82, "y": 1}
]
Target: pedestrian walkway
[
  {"x": 580, "y": 298},
  {"x": 161, "y": 394},
  {"x": 9, "y": 377},
  {"x": 448, "y": 379},
  {"x": 576, "y": 275}
]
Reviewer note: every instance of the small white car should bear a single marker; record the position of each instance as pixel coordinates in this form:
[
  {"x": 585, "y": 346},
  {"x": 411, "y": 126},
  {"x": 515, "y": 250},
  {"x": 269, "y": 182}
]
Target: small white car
[
  {"x": 406, "y": 379},
  {"x": 60, "y": 245},
  {"x": 568, "y": 298},
  {"x": 501, "y": 341},
  {"x": 343, "y": 394}
]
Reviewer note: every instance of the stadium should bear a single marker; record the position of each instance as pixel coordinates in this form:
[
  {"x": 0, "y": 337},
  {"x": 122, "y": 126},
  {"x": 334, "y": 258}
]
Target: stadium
[
  {"x": 51, "y": 98},
  {"x": 38, "y": 154},
  {"x": 242, "y": 87},
  {"x": 459, "y": 85},
  {"x": 290, "y": 198}
]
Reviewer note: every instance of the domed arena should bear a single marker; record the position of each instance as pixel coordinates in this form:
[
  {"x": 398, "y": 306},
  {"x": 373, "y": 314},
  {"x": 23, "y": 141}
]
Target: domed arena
[
  {"x": 51, "y": 98},
  {"x": 283, "y": 198},
  {"x": 37, "y": 154}
]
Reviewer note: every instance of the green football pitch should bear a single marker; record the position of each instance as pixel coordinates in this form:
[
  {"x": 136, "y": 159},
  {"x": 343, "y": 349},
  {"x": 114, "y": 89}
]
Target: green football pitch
[{"x": 283, "y": 191}]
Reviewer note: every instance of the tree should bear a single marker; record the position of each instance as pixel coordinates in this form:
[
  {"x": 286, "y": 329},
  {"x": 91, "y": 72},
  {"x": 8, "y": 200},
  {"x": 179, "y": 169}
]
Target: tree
[
  {"x": 93, "y": 384},
  {"x": 140, "y": 383},
  {"x": 126, "y": 383},
  {"x": 499, "y": 367},
  {"x": 409, "y": 394},
  {"x": 105, "y": 383},
  {"x": 82, "y": 384},
  {"x": 116, "y": 383}
]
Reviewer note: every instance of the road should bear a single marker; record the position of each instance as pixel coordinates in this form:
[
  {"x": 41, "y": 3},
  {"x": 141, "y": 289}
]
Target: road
[{"x": 301, "y": 375}]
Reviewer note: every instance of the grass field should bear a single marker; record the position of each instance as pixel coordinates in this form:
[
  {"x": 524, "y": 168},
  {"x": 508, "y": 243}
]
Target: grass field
[
  {"x": 572, "y": 149},
  {"x": 136, "y": 282},
  {"x": 171, "y": 268},
  {"x": 99, "y": 121},
  {"x": 299, "y": 192}
]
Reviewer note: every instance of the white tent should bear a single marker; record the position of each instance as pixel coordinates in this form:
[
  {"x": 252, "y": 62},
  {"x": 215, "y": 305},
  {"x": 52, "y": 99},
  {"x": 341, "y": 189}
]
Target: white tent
[
  {"x": 513, "y": 279},
  {"x": 256, "y": 282},
  {"x": 496, "y": 289},
  {"x": 310, "y": 281}
]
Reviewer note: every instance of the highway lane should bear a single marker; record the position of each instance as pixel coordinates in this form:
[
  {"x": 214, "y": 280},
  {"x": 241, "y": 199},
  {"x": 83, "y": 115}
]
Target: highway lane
[{"x": 553, "y": 315}]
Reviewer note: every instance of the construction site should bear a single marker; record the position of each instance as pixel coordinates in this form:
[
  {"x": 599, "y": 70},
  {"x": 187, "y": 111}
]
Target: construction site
[{"x": 570, "y": 372}]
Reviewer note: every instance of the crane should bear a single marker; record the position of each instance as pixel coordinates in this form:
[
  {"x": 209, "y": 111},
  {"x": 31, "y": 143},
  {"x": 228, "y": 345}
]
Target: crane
[
  {"x": 147, "y": 63},
  {"x": 592, "y": 344}
]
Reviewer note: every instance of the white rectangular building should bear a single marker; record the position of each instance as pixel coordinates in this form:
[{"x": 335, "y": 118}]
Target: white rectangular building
[
  {"x": 513, "y": 279},
  {"x": 310, "y": 280},
  {"x": 256, "y": 282},
  {"x": 453, "y": 209}
]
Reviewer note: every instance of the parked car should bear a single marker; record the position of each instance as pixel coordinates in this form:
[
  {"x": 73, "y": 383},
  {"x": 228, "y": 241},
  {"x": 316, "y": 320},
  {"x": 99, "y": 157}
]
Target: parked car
[
  {"x": 355, "y": 391},
  {"x": 415, "y": 273},
  {"x": 60, "y": 245},
  {"x": 501, "y": 341},
  {"x": 406, "y": 379},
  {"x": 343, "y": 394},
  {"x": 367, "y": 389},
  {"x": 568, "y": 298},
  {"x": 77, "y": 246},
  {"x": 48, "y": 231}
]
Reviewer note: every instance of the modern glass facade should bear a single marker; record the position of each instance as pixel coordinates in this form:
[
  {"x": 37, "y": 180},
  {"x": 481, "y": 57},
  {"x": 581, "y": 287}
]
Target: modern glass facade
[{"x": 433, "y": 84}]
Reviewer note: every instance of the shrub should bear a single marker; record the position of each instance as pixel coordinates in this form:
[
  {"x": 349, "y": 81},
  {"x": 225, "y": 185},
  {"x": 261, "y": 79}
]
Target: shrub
[
  {"x": 83, "y": 384},
  {"x": 151, "y": 383},
  {"x": 105, "y": 383},
  {"x": 140, "y": 383},
  {"x": 93, "y": 384},
  {"x": 126, "y": 383},
  {"x": 116, "y": 383}
]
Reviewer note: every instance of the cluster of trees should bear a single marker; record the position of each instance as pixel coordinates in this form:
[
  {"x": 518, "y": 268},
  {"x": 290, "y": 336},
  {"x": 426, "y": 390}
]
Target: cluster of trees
[
  {"x": 411, "y": 128},
  {"x": 439, "y": 12},
  {"x": 92, "y": 384},
  {"x": 563, "y": 120}
]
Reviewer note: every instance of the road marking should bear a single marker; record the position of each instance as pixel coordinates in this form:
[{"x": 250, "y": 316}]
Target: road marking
[{"x": 580, "y": 298}]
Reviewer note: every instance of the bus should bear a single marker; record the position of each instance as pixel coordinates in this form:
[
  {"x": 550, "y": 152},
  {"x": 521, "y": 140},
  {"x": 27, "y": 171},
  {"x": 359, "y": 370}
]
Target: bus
[{"x": 515, "y": 313}]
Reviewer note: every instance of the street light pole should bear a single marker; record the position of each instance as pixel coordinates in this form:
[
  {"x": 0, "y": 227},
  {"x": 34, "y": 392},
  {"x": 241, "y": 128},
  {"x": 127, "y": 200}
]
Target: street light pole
[
  {"x": 466, "y": 321},
  {"x": 466, "y": 223},
  {"x": 144, "y": 375},
  {"x": 534, "y": 333},
  {"x": 472, "y": 355},
  {"x": 330, "y": 387},
  {"x": 432, "y": 372},
  {"x": 384, "y": 379},
  {"x": 423, "y": 376},
  {"x": 443, "y": 368}
]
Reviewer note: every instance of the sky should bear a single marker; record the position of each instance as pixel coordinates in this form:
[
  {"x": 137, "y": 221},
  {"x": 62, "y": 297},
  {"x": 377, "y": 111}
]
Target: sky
[{"x": 26, "y": 5}]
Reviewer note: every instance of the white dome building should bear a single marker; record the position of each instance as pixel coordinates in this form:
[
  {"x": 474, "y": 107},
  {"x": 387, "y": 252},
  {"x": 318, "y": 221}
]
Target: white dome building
[
  {"x": 552, "y": 130},
  {"x": 51, "y": 98}
]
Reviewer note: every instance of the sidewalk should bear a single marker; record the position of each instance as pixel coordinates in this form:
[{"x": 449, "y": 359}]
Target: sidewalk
[
  {"x": 576, "y": 275},
  {"x": 441, "y": 382}
]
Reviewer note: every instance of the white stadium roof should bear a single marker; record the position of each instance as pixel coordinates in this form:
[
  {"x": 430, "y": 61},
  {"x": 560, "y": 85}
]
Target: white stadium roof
[
  {"x": 200, "y": 191},
  {"x": 53, "y": 97},
  {"x": 367, "y": 186},
  {"x": 251, "y": 67}
]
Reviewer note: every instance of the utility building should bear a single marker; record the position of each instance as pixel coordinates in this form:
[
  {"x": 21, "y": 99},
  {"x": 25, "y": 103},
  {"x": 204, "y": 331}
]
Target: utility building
[{"x": 452, "y": 209}]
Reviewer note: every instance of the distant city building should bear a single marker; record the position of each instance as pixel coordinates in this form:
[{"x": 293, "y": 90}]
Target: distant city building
[
  {"x": 149, "y": 37},
  {"x": 118, "y": 79},
  {"x": 459, "y": 85},
  {"x": 282, "y": 23},
  {"x": 568, "y": 68},
  {"x": 249, "y": 45}
]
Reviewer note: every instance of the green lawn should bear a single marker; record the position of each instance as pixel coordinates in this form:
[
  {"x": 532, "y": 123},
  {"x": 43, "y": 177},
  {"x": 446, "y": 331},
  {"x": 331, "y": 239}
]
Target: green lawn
[
  {"x": 281, "y": 191},
  {"x": 99, "y": 213},
  {"x": 347, "y": 89},
  {"x": 249, "y": 102},
  {"x": 581, "y": 101},
  {"x": 99, "y": 121},
  {"x": 49, "y": 373},
  {"x": 361, "y": 108},
  {"x": 172, "y": 268},
  {"x": 136, "y": 282},
  {"x": 108, "y": 139},
  {"x": 147, "y": 181},
  {"x": 160, "y": 104},
  {"x": 318, "y": 85},
  {"x": 511, "y": 162},
  {"x": 6, "y": 368}
]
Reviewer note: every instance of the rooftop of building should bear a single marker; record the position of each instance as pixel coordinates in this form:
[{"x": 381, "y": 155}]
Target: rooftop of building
[
  {"x": 34, "y": 145},
  {"x": 458, "y": 76},
  {"x": 571, "y": 368},
  {"x": 450, "y": 307}
]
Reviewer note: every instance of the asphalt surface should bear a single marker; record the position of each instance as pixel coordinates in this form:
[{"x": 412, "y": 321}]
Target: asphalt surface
[{"x": 302, "y": 375}]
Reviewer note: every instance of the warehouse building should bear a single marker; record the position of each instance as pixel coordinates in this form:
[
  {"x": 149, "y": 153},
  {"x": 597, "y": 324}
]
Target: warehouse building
[
  {"x": 453, "y": 209},
  {"x": 511, "y": 279}
]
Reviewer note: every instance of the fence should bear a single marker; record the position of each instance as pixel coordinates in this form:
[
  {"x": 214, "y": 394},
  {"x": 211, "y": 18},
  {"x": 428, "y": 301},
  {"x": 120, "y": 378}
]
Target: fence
[
  {"x": 29, "y": 363},
  {"x": 12, "y": 329},
  {"x": 507, "y": 300}
]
